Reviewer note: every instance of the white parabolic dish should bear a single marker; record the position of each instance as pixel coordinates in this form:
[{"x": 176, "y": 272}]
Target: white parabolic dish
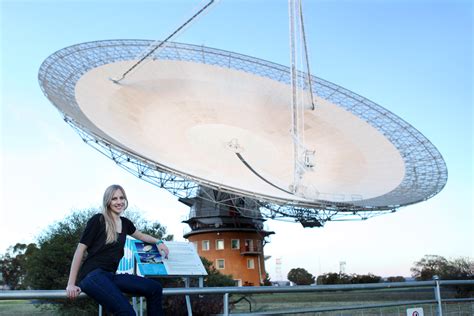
[{"x": 182, "y": 113}]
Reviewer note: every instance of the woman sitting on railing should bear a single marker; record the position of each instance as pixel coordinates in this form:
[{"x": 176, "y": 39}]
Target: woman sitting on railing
[{"x": 104, "y": 239}]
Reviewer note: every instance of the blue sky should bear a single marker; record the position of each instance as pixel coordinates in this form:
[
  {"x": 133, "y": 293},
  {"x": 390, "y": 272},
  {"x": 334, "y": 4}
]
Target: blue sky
[{"x": 412, "y": 57}]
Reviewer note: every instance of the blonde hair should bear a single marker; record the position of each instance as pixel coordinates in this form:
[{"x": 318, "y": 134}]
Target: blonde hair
[{"x": 110, "y": 227}]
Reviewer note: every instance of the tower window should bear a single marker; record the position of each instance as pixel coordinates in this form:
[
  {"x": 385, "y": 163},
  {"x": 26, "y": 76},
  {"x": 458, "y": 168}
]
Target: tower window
[
  {"x": 220, "y": 264},
  {"x": 220, "y": 244},
  {"x": 250, "y": 264},
  {"x": 235, "y": 244},
  {"x": 205, "y": 245},
  {"x": 249, "y": 245}
]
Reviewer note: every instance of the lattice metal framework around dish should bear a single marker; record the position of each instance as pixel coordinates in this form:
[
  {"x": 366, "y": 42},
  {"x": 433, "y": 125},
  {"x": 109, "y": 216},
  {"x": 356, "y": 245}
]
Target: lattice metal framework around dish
[{"x": 425, "y": 170}]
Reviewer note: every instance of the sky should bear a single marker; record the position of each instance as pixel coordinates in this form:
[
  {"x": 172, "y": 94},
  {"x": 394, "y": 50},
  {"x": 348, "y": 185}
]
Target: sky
[{"x": 412, "y": 57}]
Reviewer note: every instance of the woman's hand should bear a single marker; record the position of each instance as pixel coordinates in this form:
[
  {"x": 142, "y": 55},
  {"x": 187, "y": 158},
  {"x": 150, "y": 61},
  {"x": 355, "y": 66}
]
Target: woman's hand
[
  {"x": 152, "y": 240},
  {"x": 163, "y": 250},
  {"x": 73, "y": 291}
]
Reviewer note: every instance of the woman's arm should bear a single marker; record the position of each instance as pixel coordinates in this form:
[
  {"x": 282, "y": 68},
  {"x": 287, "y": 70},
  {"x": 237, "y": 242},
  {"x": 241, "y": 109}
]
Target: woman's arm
[
  {"x": 151, "y": 240},
  {"x": 72, "y": 290}
]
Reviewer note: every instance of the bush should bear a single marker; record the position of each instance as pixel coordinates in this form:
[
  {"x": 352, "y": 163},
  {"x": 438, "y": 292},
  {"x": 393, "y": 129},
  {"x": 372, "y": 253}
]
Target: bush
[
  {"x": 334, "y": 278},
  {"x": 300, "y": 276},
  {"x": 342, "y": 278},
  {"x": 456, "y": 269},
  {"x": 396, "y": 279},
  {"x": 201, "y": 304},
  {"x": 365, "y": 278}
]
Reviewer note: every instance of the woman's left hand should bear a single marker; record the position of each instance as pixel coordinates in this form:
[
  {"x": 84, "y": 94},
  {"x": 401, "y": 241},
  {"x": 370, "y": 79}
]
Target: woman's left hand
[{"x": 163, "y": 250}]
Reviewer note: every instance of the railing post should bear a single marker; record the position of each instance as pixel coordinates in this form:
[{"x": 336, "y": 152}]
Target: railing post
[
  {"x": 134, "y": 304},
  {"x": 438, "y": 295},
  {"x": 226, "y": 304},
  {"x": 187, "y": 284},
  {"x": 141, "y": 305}
]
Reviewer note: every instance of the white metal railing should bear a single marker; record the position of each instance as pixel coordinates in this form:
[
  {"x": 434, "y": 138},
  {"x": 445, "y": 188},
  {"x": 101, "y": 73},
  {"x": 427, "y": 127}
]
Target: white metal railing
[{"x": 225, "y": 291}]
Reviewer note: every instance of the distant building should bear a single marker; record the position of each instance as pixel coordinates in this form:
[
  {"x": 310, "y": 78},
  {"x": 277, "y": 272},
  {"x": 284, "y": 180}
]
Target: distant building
[{"x": 228, "y": 231}]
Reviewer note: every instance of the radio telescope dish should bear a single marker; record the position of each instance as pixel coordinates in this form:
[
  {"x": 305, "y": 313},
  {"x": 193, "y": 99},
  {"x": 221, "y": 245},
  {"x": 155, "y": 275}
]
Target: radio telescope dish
[{"x": 194, "y": 116}]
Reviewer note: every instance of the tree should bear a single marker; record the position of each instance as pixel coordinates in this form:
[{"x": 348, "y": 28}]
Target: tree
[
  {"x": 461, "y": 268},
  {"x": 456, "y": 269},
  {"x": 431, "y": 265},
  {"x": 215, "y": 277},
  {"x": 266, "y": 281},
  {"x": 13, "y": 265},
  {"x": 396, "y": 279},
  {"x": 49, "y": 267},
  {"x": 300, "y": 276},
  {"x": 342, "y": 278},
  {"x": 365, "y": 278},
  {"x": 334, "y": 278},
  {"x": 152, "y": 228}
]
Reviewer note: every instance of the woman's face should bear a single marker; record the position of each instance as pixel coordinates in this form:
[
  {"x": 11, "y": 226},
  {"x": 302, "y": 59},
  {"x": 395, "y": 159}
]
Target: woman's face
[{"x": 118, "y": 202}]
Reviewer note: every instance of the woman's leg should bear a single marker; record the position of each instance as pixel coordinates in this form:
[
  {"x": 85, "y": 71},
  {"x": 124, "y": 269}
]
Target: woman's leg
[
  {"x": 100, "y": 286},
  {"x": 150, "y": 289}
]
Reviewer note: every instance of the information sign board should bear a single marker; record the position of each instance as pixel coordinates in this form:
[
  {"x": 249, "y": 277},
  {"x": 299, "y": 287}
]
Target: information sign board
[{"x": 146, "y": 260}]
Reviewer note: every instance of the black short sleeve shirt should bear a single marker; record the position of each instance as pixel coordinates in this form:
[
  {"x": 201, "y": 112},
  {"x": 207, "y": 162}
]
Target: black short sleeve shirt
[{"x": 99, "y": 254}]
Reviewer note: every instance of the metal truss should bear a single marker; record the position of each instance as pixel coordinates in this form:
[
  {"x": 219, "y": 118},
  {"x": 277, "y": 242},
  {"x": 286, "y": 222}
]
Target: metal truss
[{"x": 425, "y": 169}]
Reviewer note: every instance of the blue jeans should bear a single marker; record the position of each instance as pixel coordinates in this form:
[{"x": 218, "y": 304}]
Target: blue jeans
[{"x": 106, "y": 289}]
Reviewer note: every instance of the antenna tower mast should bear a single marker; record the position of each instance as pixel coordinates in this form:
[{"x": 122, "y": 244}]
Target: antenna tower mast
[{"x": 301, "y": 95}]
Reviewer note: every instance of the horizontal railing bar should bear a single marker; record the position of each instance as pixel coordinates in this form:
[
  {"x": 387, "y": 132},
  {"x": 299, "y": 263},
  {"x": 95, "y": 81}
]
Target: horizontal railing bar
[
  {"x": 34, "y": 294},
  {"x": 455, "y": 282},
  {"x": 458, "y": 300},
  {"x": 60, "y": 294}
]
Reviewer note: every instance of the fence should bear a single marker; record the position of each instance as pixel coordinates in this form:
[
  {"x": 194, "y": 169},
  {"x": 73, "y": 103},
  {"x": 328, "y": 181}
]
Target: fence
[{"x": 226, "y": 291}]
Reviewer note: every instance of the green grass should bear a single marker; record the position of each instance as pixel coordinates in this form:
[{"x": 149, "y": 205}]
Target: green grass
[
  {"x": 288, "y": 301},
  {"x": 25, "y": 308}
]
